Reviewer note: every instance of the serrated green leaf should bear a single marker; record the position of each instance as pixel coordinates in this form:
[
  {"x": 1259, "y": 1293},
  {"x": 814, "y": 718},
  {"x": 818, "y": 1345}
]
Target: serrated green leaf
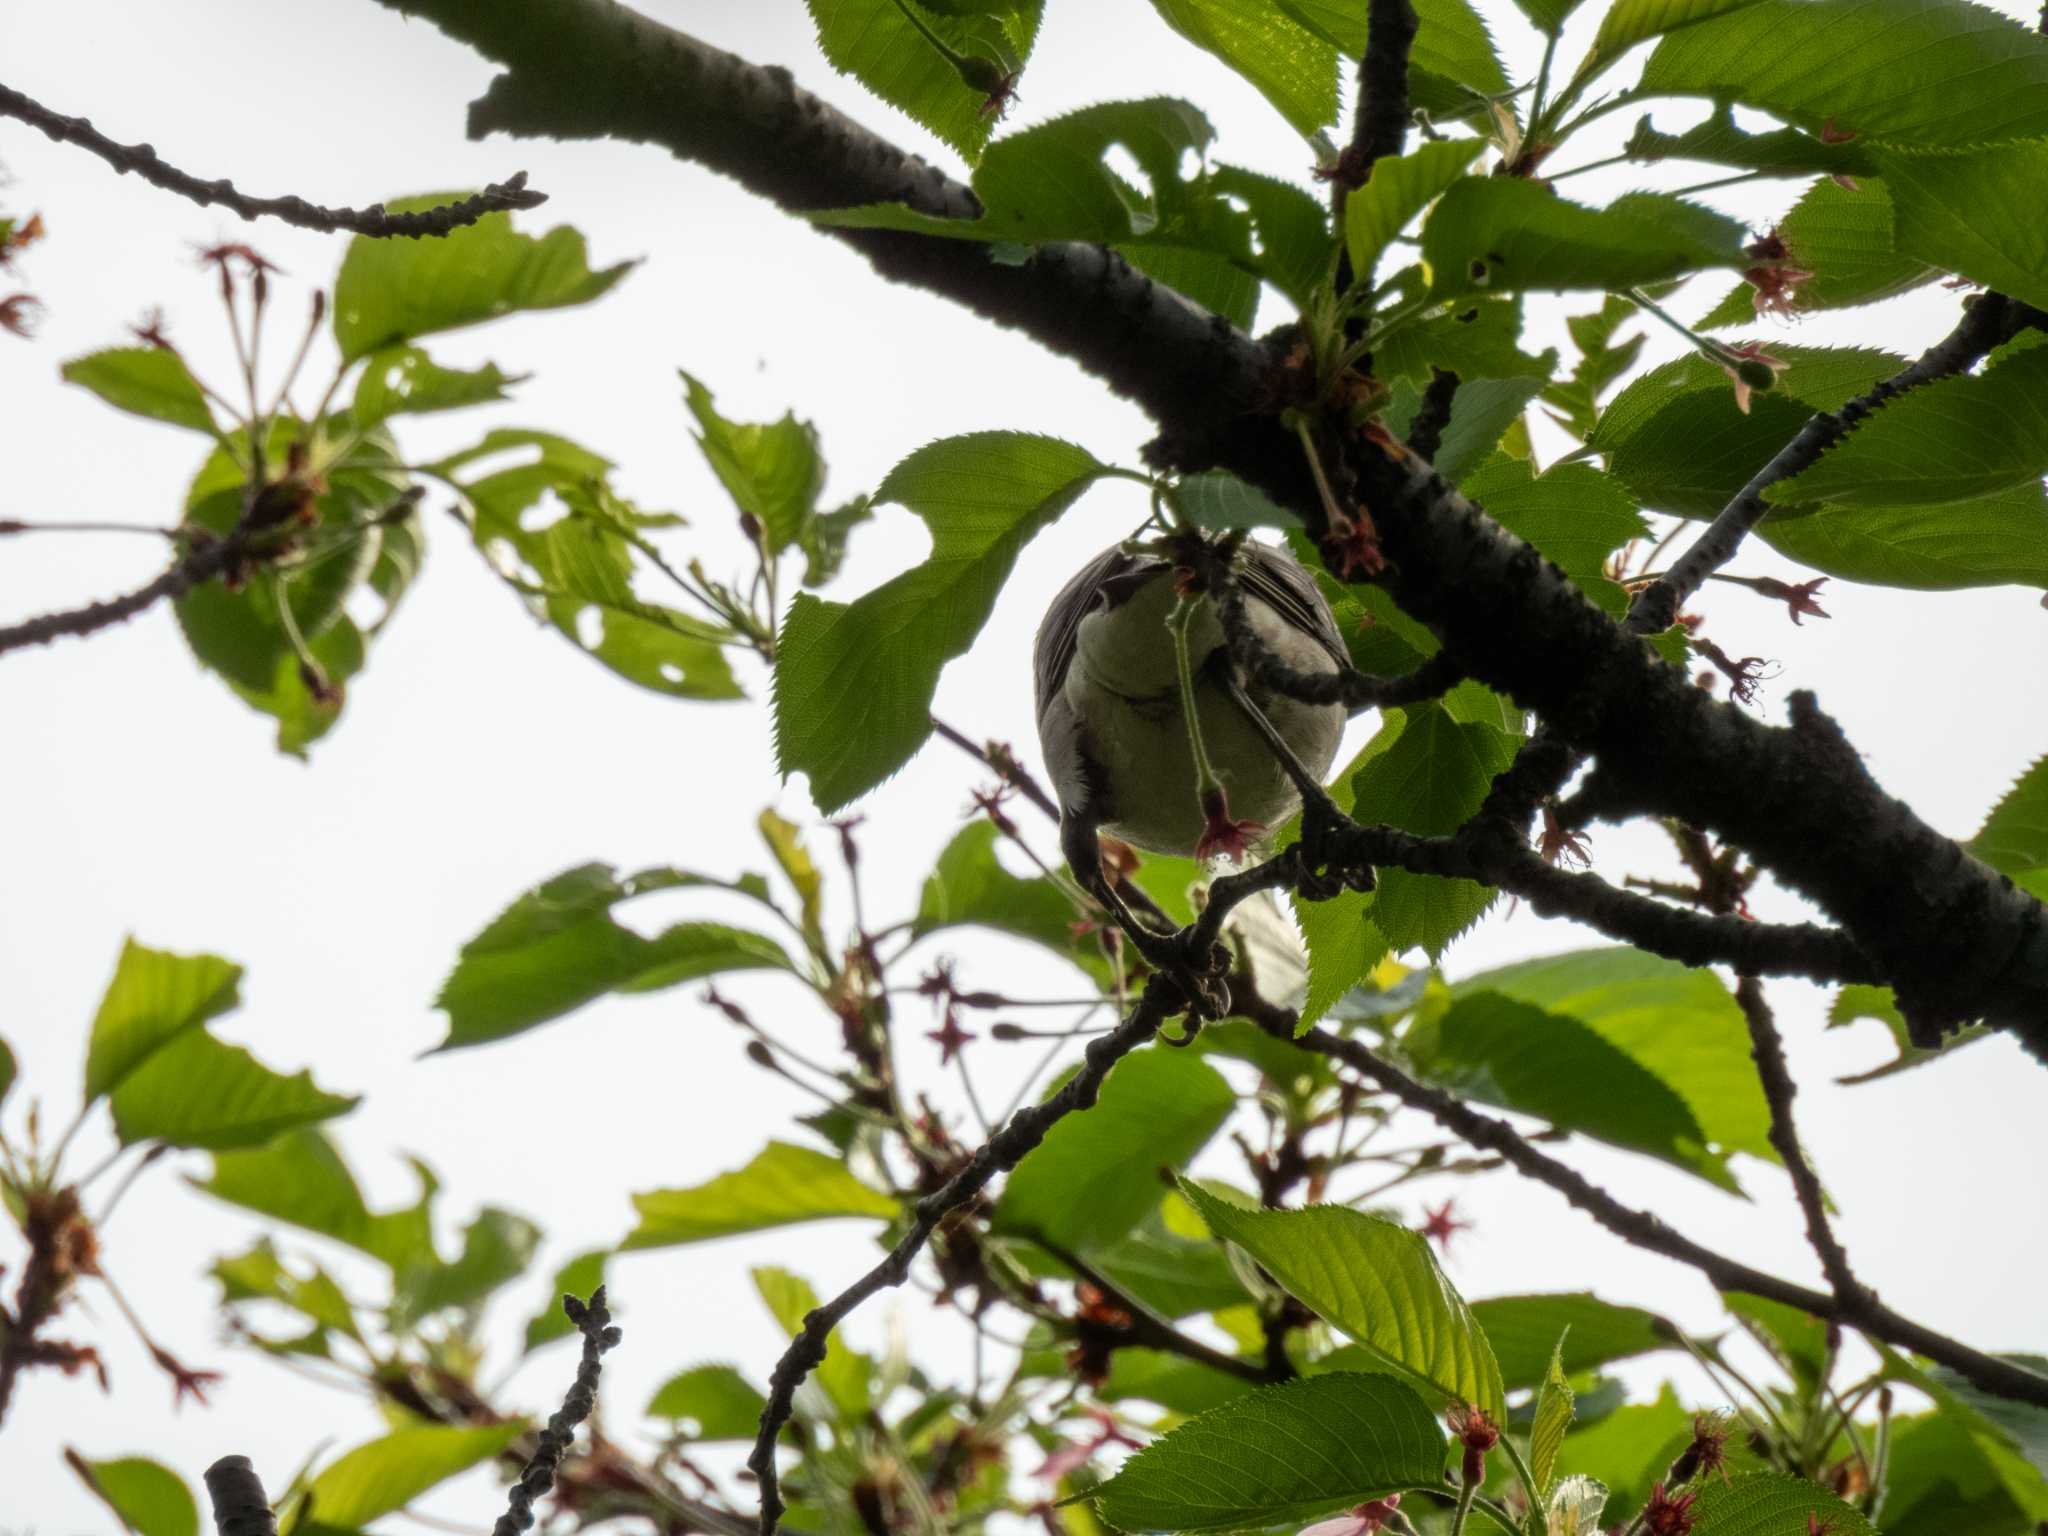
[
  {"x": 1955, "y": 439},
  {"x": 393, "y": 291},
  {"x": 2014, "y": 837},
  {"x": 1483, "y": 412},
  {"x": 1398, "y": 190},
  {"x": 783, "y": 1185},
  {"x": 1289, "y": 65},
  {"x": 558, "y": 947},
  {"x": 1548, "y": 16},
  {"x": 401, "y": 380},
  {"x": 1987, "y": 541},
  {"x": 1574, "y": 514},
  {"x": 1774, "y": 1504},
  {"x": 969, "y": 885},
  {"x": 1523, "y": 1330},
  {"x": 1942, "y": 73},
  {"x": 709, "y": 1403},
  {"x": 1505, "y": 234},
  {"x": 873, "y": 41},
  {"x": 854, "y": 682},
  {"x": 1629, "y": 22},
  {"x": 579, "y": 1277},
  {"x": 301, "y": 1179},
  {"x": 1281, "y": 1454},
  {"x": 145, "y": 381},
  {"x": 772, "y": 470},
  {"x": 1475, "y": 339},
  {"x": 1719, "y": 141},
  {"x": 1844, "y": 238},
  {"x": 1096, "y": 1176},
  {"x": 1452, "y": 63},
  {"x": 1554, "y": 1410},
  {"x": 389, "y": 1473},
  {"x": 1967, "y": 214},
  {"x": 1215, "y": 498},
  {"x": 1376, "y": 1281},
  {"x": 148, "y": 1498}
]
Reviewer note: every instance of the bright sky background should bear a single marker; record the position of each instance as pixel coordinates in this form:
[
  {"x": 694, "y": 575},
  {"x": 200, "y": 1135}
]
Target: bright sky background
[{"x": 480, "y": 754}]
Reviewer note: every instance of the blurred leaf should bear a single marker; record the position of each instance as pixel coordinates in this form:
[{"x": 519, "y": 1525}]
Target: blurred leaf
[
  {"x": 1281, "y": 1454},
  {"x": 1289, "y": 65},
  {"x": 1173, "y": 1382},
  {"x": 7, "y": 1070},
  {"x": 1524, "y": 1329},
  {"x": 154, "y": 997},
  {"x": 2024, "y": 1425},
  {"x": 1798, "y": 1340},
  {"x": 1096, "y": 1176},
  {"x": 783, "y": 1185},
  {"x": 876, "y": 43},
  {"x": 772, "y": 470},
  {"x": 1554, "y": 1407},
  {"x": 786, "y": 844},
  {"x": 1884, "y": 70},
  {"x": 389, "y": 1473},
  {"x": 969, "y": 886},
  {"x": 845, "y": 1376},
  {"x": 496, "y": 1248},
  {"x": 854, "y": 682},
  {"x": 147, "y": 1497},
  {"x": 301, "y": 1179},
  {"x": 402, "y": 380},
  {"x": 1216, "y": 498},
  {"x": 1374, "y": 1280},
  {"x": 1503, "y": 234},
  {"x": 579, "y": 1277},
  {"x": 145, "y": 381},
  {"x": 1172, "y": 1275},
  {"x": 1629, "y": 1450},
  {"x": 1857, "y": 1001},
  {"x": 1949, "y": 1471},
  {"x": 710, "y": 1403},
  {"x": 1774, "y": 1504},
  {"x": 558, "y": 947},
  {"x": 391, "y": 291}
]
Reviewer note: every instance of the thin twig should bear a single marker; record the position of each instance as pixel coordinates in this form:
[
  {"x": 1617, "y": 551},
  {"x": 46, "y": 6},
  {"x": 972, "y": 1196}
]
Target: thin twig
[
  {"x": 594, "y": 1321},
  {"x": 374, "y": 221},
  {"x": 200, "y": 566},
  {"x": 1001, "y": 1152}
]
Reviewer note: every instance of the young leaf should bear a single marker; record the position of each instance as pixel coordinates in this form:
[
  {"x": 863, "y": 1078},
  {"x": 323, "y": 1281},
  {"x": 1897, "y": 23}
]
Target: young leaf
[
  {"x": 854, "y": 682},
  {"x": 1398, "y": 190},
  {"x": 1524, "y": 1330},
  {"x": 1376, "y": 1281},
  {"x": 1952, "y": 440},
  {"x": 389, "y": 1473},
  {"x": 772, "y": 470},
  {"x": 1554, "y": 1409},
  {"x": 496, "y": 1248},
  {"x": 146, "y": 381},
  {"x": 876, "y": 43},
  {"x": 1629, "y": 22},
  {"x": 1774, "y": 1504},
  {"x": 558, "y": 947},
  {"x": 1933, "y": 73},
  {"x": 154, "y": 997},
  {"x": 403, "y": 380},
  {"x": 709, "y": 1403},
  {"x": 1096, "y": 1176},
  {"x": 1289, "y": 65},
  {"x": 1967, "y": 213},
  {"x": 7, "y": 1070},
  {"x": 1279, "y": 1455},
  {"x": 1503, "y": 234},
  {"x": 302, "y": 1180},
  {"x": 147, "y": 1497},
  {"x": 785, "y": 842},
  {"x": 392, "y": 291},
  {"x": 783, "y": 1185}
]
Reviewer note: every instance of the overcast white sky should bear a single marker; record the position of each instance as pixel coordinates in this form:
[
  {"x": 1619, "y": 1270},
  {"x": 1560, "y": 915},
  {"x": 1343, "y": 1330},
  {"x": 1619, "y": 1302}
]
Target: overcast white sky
[{"x": 480, "y": 754}]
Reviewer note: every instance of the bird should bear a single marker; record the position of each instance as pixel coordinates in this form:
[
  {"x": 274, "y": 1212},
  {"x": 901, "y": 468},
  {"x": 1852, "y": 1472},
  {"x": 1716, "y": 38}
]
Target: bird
[{"x": 1112, "y": 726}]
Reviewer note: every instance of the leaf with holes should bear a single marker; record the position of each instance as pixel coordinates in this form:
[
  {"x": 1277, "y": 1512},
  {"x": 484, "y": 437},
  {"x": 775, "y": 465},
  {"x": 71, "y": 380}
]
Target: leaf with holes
[
  {"x": 772, "y": 470},
  {"x": 1504, "y": 234},
  {"x": 1398, "y": 190}
]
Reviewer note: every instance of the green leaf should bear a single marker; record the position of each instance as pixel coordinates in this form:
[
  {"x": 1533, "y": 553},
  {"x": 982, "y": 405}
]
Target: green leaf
[
  {"x": 1215, "y": 498},
  {"x": 845, "y": 1376},
  {"x": 1374, "y": 1280},
  {"x": 1172, "y": 1275},
  {"x": 969, "y": 885},
  {"x": 1719, "y": 141},
  {"x": 1482, "y": 412},
  {"x": 1523, "y": 1330},
  {"x": 1279, "y": 1455},
  {"x": 1797, "y": 1340},
  {"x": 1285, "y": 62},
  {"x": 782, "y": 1186},
  {"x": 1096, "y": 1176},
  {"x": 1950, "y": 1471},
  {"x": 147, "y": 1497},
  {"x": 1967, "y": 213},
  {"x": 405, "y": 381},
  {"x": 876, "y": 43},
  {"x": 1842, "y": 237},
  {"x": 1940, "y": 73},
  {"x": 1398, "y": 190},
  {"x": 786, "y": 844},
  {"x": 1475, "y": 339},
  {"x": 496, "y": 1248},
  {"x": 7, "y": 1070},
  {"x": 710, "y": 1403},
  {"x": 1179, "y": 1385},
  {"x": 391, "y": 291},
  {"x": 2024, "y": 1425},
  {"x": 2014, "y": 838},
  {"x": 854, "y": 682},
  {"x": 1952, "y": 440},
  {"x": 1629, "y": 22},
  {"x": 1984, "y": 542},
  {"x": 1452, "y": 63},
  {"x": 1629, "y": 1450},
  {"x": 772, "y": 470},
  {"x": 1774, "y": 1504},
  {"x": 301, "y": 1179},
  {"x": 558, "y": 947},
  {"x": 1504, "y": 234},
  {"x": 389, "y": 1473},
  {"x": 1549, "y": 16},
  {"x": 1554, "y": 1410},
  {"x": 145, "y": 381},
  {"x": 579, "y": 1277},
  {"x": 153, "y": 998},
  {"x": 1677, "y": 1023},
  {"x": 1574, "y": 514}
]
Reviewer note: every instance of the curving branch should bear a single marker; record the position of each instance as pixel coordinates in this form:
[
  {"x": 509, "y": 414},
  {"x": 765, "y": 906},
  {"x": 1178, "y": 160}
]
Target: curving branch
[
  {"x": 593, "y": 1319},
  {"x": 373, "y": 221}
]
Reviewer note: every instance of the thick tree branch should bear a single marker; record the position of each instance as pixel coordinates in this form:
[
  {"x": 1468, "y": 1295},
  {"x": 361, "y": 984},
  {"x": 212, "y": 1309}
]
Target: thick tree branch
[
  {"x": 1958, "y": 942},
  {"x": 1001, "y": 1152},
  {"x": 373, "y": 221},
  {"x": 240, "y": 1506},
  {"x": 1647, "y": 1230}
]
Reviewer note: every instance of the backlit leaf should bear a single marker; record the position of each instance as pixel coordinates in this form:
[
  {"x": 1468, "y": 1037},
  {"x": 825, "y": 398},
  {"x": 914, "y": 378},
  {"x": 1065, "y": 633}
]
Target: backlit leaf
[{"x": 783, "y": 1185}]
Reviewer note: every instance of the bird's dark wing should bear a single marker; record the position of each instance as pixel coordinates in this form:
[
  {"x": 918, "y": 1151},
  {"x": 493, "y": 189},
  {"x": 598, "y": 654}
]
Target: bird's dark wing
[
  {"x": 1104, "y": 581},
  {"x": 1277, "y": 579}
]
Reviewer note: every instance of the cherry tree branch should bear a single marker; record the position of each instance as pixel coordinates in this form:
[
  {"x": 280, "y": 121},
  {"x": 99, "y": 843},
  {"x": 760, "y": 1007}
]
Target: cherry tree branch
[
  {"x": 240, "y": 1506},
  {"x": 374, "y": 221}
]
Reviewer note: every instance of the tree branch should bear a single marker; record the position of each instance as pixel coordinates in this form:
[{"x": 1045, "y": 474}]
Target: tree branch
[
  {"x": 373, "y": 221},
  {"x": 594, "y": 1321},
  {"x": 240, "y": 1506},
  {"x": 201, "y": 565},
  {"x": 1001, "y": 1152}
]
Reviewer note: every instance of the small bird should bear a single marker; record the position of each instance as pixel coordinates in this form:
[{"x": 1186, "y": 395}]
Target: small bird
[{"x": 1112, "y": 725}]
